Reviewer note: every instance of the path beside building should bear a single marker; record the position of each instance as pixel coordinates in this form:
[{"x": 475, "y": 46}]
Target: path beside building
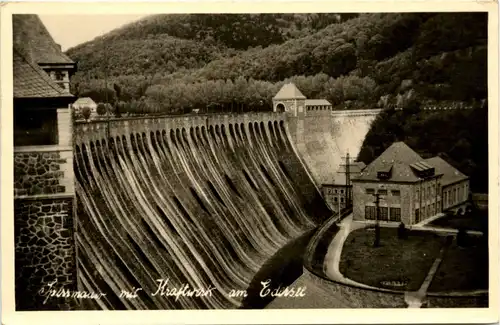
[{"x": 332, "y": 259}]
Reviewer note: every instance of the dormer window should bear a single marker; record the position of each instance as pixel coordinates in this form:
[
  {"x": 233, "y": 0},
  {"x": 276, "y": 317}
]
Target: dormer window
[
  {"x": 422, "y": 169},
  {"x": 384, "y": 173},
  {"x": 58, "y": 76}
]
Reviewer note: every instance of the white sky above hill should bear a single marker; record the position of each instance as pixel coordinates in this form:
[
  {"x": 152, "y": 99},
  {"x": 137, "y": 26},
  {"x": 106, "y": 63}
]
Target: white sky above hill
[{"x": 71, "y": 30}]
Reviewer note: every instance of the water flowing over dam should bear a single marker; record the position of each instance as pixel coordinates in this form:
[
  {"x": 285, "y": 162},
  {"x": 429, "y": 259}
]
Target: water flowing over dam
[{"x": 197, "y": 201}]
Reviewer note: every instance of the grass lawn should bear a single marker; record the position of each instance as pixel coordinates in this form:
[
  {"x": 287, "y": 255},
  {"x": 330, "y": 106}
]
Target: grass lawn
[
  {"x": 463, "y": 268},
  {"x": 403, "y": 260},
  {"x": 472, "y": 221}
]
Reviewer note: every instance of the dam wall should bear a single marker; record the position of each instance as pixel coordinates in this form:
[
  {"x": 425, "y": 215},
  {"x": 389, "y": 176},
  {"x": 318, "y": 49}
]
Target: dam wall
[
  {"x": 86, "y": 132},
  {"x": 202, "y": 201},
  {"x": 323, "y": 138}
]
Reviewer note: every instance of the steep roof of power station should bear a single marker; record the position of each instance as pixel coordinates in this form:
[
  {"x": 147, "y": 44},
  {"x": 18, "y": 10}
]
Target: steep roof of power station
[
  {"x": 289, "y": 91},
  {"x": 450, "y": 173},
  {"x": 403, "y": 164}
]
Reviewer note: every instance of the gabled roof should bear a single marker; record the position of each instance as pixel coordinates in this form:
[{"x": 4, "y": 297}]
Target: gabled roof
[
  {"x": 34, "y": 41},
  {"x": 317, "y": 102},
  {"x": 84, "y": 101},
  {"x": 398, "y": 157},
  {"x": 289, "y": 91},
  {"x": 30, "y": 81},
  {"x": 450, "y": 173}
]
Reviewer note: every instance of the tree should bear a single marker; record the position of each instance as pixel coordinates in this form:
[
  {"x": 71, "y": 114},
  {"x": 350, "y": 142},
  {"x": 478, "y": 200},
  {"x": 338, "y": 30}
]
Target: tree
[
  {"x": 109, "y": 108},
  {"x": 101, "y": 109},
  {"x": 86, "y": 111},
  {"x": 120, "y": 108}
]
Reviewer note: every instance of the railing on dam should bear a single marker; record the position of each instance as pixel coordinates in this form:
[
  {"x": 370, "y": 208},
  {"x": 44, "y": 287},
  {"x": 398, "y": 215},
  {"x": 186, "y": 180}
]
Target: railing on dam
[
  {"x": 356, "y": 112},
  {"x": 100, "y": 129},
  {"x": 117, "y": 127}
]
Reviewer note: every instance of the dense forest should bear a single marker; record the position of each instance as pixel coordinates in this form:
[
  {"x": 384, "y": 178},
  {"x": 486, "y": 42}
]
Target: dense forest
[{"x": 175, "y": 63}]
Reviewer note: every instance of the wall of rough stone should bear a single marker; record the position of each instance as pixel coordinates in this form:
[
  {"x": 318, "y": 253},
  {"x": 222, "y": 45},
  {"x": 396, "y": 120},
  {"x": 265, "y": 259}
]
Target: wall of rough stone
[
  {"x": 44, "y": 251},
  {"x": 43, "y": 172}
]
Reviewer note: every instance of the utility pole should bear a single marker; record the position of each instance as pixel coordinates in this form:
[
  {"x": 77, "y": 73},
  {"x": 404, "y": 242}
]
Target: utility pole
[
  {"x": 347, "y": 173},
  {"x": 376, "y": 243},
  {"x": 340, "y": 207}
]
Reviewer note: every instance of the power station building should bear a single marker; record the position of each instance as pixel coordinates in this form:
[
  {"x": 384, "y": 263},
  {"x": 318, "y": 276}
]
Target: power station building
[{"x": 411, "y": 189}]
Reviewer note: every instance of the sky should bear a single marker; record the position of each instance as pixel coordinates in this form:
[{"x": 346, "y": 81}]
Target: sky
[{"x": 71, "y": 30}]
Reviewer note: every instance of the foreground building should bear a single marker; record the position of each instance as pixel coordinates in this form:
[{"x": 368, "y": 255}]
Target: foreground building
[
  {"x": 44, "y": 190},
  {"x": 411, "y": 189}
]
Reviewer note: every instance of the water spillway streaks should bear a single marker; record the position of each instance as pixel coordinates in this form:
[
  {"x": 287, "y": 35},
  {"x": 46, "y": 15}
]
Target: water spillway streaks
[{"x": 202, "y": 206}]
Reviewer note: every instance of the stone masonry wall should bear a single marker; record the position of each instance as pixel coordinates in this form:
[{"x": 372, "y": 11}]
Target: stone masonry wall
[
  {"x": 44, "y": 252},
  {"x": 38, "y": 173}
]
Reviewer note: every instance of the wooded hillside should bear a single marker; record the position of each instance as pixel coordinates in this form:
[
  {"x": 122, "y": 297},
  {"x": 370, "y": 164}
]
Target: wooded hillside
[
  {"x": 176, "y": 63},
  {"x": 362, "y": 61}
]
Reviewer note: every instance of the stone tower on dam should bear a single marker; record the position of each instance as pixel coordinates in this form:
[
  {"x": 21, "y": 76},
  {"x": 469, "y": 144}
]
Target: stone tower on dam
[{"x": 322, "y": 135}]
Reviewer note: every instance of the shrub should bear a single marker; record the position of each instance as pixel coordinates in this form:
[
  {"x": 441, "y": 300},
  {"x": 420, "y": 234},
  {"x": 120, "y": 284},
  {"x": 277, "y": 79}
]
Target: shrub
[
  {"x": 101, "y": 109},
  {"x": 86, "y": 111}
]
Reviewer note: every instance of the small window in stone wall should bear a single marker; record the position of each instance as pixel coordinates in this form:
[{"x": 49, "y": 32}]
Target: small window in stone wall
[
  {"x": 384, "y": 213},
  {"x": 370, "y": 212},
  {"x": 370, "y": 191},
  {"x": 35, "y": 128},
  {"x": 382, "y": 192},
  {"x": 395, "y": 214}
]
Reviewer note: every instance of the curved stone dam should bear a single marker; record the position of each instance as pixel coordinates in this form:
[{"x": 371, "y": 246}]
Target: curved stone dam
[{"x": 192, "y": 204}]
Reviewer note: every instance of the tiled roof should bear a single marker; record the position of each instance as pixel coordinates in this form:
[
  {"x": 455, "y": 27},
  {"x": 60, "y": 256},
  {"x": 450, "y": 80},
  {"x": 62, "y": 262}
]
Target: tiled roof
[
  {"x": 289, "y": 91},
  {"x": 30, "y": 81},
  {"x": 399, "y": 156},
  {"x": 450, "y": 173},
  {"x": 317, "y": 102},
  {"x": 34, "y": 41},
  {"x": 354, "y": 169}
]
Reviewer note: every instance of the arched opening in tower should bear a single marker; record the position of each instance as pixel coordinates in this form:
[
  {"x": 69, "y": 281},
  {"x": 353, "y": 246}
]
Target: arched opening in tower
[{"x": 280, "y": 108}]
